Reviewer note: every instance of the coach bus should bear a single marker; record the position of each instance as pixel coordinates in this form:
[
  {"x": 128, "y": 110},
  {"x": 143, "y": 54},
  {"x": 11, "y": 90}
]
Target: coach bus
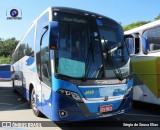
[
  {"x": 73, "y": 65},
  {"x": 145, "y": 58},
  {"x": 5, "y": 72}
]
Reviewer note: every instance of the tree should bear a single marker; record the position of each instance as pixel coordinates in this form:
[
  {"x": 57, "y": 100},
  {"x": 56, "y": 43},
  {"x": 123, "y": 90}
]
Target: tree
[
  {"x": 134, "y": 25},
  {"x": 157, "y": 18},
  {"x": 7, "y": 47}
]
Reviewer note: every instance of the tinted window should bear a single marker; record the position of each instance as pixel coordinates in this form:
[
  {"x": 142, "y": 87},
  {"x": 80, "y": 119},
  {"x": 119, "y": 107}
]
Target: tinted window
[
  {"x": 108, "y": 34},
  {"x": 78, "y": 54},
  {"x": 27, "y": 45},
  {"x": 45, "y": 61},
  {"x": 114, "y": 50},
  {"x": 15, "y": 57},
  {"x": 73, "y": 41},
  {"x": 26, "y": 48},
  {"x": 40, "y": 31},
  {"x": 153, "y": 36}
]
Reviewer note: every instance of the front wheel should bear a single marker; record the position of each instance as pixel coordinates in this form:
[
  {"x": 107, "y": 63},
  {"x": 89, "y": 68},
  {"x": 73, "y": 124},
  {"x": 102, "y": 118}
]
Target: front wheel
[{"x": 33, "y": 104}]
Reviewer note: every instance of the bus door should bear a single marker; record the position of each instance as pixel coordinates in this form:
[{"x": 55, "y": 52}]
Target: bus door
[{"x": 45, "y": 73}]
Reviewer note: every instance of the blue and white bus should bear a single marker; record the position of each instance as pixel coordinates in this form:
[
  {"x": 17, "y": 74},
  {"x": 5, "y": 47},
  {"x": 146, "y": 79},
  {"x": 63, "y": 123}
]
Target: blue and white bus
[{"x": 73, "y": 65}]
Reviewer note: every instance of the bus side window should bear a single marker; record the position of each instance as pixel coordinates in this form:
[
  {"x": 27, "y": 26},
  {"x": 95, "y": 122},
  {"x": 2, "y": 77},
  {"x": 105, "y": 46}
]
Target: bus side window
[{"x": 153, "y": 36}]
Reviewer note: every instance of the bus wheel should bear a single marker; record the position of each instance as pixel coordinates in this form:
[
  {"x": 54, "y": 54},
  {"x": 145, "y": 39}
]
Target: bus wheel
[{"x": 33, "y": 104}]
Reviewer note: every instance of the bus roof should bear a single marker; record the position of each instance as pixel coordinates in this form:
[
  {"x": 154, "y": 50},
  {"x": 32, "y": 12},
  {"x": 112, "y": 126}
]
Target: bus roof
[
  {"x": 74, "y": 11},
  {"x": 143, "y": 27}
]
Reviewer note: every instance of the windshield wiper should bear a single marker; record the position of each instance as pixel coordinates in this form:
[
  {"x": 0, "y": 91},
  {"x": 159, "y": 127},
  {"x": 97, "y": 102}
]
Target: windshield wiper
[
  {"x": 97, "y": 71},
  {"x": 90, "y": 53},
  {"x": 113, "y": 49}
]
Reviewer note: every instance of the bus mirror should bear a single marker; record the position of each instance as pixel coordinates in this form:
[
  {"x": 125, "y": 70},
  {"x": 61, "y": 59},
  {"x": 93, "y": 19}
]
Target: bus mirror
[
  {"x": 145, "y": 44},
  {"x": 130, "y": 45},
  {"x": 53, "y": 35},
  {"x": 108, "y": 46}
]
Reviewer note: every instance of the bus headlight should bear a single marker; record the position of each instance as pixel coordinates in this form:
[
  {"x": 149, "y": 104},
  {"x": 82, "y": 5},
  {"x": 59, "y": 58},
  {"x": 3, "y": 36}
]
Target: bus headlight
[
  {"x": 70, "y": 94},
  {"x": 128, "y": 92}
]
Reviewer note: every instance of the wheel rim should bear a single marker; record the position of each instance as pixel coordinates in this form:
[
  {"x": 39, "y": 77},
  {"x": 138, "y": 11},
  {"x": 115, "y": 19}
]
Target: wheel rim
[{"x": 33, "y": 102}]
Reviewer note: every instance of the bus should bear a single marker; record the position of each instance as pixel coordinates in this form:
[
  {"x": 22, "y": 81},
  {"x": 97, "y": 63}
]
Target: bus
[
  {"x": 5, "y": 72},
  {"x": 145, "y": 58},
  {"x": 73, "y": 65}
]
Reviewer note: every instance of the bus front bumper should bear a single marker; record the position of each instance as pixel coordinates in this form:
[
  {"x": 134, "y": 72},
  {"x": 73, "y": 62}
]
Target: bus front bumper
[{"x": 68, "y": 110}]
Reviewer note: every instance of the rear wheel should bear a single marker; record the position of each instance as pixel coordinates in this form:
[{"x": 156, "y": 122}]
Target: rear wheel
[{"x": 33, "y": 104}]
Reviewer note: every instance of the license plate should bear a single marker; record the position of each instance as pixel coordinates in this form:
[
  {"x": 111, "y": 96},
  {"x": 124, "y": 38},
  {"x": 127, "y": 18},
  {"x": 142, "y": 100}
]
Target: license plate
[{"x": 106, "y": 108}]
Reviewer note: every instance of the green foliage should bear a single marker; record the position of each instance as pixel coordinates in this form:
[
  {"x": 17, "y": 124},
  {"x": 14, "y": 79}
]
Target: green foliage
[
  {"x": 7, "y": 47},
  {"x": 5, "y": 60},
  {"x": 134, "y": 25},
  {"x": 137, "y": 24},
  {"x": 158, "y": 17}
]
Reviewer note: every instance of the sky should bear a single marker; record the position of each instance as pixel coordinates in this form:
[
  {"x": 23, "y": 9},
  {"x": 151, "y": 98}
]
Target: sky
[{"x": 123, "y": 11}]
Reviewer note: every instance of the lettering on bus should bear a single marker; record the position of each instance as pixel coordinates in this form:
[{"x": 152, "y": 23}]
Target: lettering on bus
[{"x": 73, "y": 20}]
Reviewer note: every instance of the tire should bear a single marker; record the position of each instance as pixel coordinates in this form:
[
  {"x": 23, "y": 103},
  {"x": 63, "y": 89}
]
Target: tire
[{"x": 33, "y": 104}]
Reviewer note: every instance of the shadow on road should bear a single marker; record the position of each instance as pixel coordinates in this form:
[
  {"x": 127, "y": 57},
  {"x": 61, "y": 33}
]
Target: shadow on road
[
  {"x": 10, "y": 100},
  {"x": 146, "y": 108},
  {"x": 142, "y": 112},
  {"x": 102, "y": 125}
]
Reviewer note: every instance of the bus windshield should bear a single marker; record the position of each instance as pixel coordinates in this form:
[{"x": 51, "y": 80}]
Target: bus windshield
[
  {"x": 79, "y": 52},
  {"x": 115, "y": 52}
]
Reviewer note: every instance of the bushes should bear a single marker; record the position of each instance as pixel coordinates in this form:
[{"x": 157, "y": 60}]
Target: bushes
[
  {"x": 5, "y": 60},
  {"x": 7, "y": 48},
  {"x": 134, "y": 25}
]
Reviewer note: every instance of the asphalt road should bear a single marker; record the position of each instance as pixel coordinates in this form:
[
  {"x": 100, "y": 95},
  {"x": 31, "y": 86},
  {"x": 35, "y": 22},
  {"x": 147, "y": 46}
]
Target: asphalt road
[{"x": 13, "y": 107}]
